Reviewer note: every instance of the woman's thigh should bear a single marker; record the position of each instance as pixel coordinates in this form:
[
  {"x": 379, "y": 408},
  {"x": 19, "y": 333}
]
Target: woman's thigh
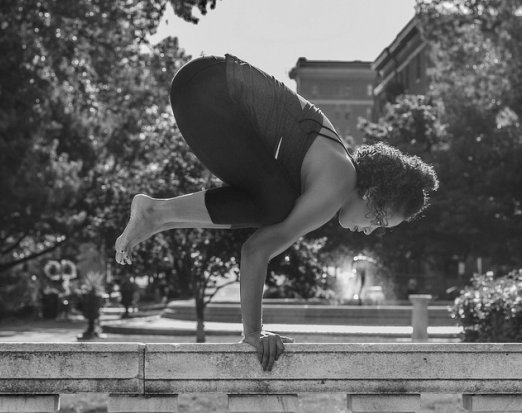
[{"x": 258, "y": 189}]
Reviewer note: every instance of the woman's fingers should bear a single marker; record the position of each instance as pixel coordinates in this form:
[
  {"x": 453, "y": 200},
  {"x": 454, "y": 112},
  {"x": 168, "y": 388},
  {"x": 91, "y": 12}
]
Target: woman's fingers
[
  {"x": 272, "y": 343},
  {"x": 280, "y": 349},
  {"x": 269, "y": 348},
  {"x": 266, "y": 353},
  {"x": 260, "y": 351}
]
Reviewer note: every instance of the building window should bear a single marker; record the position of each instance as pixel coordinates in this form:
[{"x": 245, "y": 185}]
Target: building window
[
  {"x": 419, "y": 67},
  {"x": 347, "y": 114},
  {"x": 315, "y": 90},
  {"x": 369, "y": 90},
  {"x": 406, "y": 78}
]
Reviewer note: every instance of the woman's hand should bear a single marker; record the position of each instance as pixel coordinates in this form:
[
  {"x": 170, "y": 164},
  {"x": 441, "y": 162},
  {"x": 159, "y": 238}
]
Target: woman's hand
[{"x": 269, "y": 346}]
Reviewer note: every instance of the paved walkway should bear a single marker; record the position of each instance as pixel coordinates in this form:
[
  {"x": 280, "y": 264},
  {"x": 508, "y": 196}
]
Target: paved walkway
[
  {"x": 166, "y": 326},
  {"x": 149, "y": 323}
]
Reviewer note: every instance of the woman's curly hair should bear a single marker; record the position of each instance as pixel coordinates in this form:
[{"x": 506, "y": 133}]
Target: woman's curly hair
[{"x": 393, "y": 181}]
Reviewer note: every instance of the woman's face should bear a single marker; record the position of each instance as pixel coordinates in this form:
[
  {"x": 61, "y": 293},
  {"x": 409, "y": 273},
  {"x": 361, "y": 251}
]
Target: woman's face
[{"x": 356, "y": 216}]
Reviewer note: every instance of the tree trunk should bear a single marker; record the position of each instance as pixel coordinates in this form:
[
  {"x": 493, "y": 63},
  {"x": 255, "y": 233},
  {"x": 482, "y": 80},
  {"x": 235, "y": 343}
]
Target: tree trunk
[
  {"x": 200, "y": 331},
  {"x": 183, "y": 280},
  {"x": 200, "y": 311}
]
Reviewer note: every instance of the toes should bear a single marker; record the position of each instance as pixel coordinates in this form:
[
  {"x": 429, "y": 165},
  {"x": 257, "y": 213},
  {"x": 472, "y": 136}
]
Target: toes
[
  {"x": 122, "y": 257},
  {"x": 118, "y": 257}
]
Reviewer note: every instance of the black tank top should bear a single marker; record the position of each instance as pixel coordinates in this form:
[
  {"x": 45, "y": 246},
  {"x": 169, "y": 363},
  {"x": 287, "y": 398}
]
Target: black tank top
[{"x": 286, "y": 122}]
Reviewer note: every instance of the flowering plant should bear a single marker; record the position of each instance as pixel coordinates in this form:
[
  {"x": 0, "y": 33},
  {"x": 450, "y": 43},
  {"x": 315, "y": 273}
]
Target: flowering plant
[{"x": 490, "y": 310}]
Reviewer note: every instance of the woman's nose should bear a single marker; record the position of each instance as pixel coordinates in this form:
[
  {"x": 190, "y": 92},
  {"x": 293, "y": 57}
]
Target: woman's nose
[{"x": 368, "y": 230}]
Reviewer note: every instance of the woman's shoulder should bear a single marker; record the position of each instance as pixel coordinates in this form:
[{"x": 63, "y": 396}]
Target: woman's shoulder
[{"x": 327, "y": 165}]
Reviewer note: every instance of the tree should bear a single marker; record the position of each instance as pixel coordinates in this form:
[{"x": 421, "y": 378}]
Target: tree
[
  {"x": 57, "y": 61},
  {"x": 89, "y": 112},
  {"x": 477, "y": 50},
  {"x": 412, "y": 125},
  {"x": 299, "y": 272},
  {"x": 468, "y": 127},
  {"x": 184, "y": 8}
]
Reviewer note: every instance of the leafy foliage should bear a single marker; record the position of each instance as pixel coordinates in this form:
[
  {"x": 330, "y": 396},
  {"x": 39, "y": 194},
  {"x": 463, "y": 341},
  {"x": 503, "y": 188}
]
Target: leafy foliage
[
  {"x": 85, "y": 124},
  {"x": 184, "y": 8},
  {"x": 467, "y": 126},
  {"x": 58, "y": 59},
  {"x": 298, "y": 272},
  {"x": 477, "y": 53},
  {"x": 490, "y": 310},
  {"x": 412, "y": 125}
]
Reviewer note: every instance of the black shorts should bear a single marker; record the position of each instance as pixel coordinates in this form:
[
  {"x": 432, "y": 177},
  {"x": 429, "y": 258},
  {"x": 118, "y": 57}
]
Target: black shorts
[{"x": 257, "y": 190}]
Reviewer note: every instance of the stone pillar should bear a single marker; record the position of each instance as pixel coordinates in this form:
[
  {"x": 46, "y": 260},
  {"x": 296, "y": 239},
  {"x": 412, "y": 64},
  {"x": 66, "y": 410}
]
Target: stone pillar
[
  {"x": 419, "y": 316},
  {"x": 144, "y": 403},
  {"x": 492, "y": 402},
  {"x": 29, "y": 403},
  {"x": 383, "y": 403},
  {"x": 257, "y": 403}
]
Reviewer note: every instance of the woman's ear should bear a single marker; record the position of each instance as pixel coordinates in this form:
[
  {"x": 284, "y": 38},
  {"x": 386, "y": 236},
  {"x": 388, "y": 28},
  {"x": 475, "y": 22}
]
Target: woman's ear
[{"x": 367, "y": 194}]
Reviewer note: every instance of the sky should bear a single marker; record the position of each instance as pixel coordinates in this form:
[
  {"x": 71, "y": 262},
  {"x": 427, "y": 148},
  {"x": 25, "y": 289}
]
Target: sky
[{"x": 273, "y": 34}]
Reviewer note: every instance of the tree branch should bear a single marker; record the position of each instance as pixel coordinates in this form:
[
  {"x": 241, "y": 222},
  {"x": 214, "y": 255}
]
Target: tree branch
[
  {"x": 12, "y": 247},
  {"x": 6, "y": 265},
  {"x": 219, "y": 288}
]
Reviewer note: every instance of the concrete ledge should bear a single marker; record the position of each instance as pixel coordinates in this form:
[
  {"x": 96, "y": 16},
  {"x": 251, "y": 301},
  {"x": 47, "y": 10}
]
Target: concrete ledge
[
  {"x": 27, "y": 404},
  {"x": 71, "y": 367},
  {"x": 384, "y": 403},
  {"x": 153, "y": 403},
  {"x": 155, "y": 369},
  {"x": 273, "y": 403},
  {"x": 350, "y": 368},
  {"x": 492, "y": 402}
]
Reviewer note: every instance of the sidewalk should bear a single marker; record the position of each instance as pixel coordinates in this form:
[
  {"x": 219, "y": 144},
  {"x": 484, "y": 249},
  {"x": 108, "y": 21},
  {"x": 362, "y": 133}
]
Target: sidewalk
[
  {"x": 155, "y": 325},
  {"x": 147, "y": 321}
]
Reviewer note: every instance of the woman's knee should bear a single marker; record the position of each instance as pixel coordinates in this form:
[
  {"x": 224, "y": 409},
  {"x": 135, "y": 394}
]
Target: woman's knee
[
  {"x": 190, "y": 73},
  {"x": 277, "y": 208}
]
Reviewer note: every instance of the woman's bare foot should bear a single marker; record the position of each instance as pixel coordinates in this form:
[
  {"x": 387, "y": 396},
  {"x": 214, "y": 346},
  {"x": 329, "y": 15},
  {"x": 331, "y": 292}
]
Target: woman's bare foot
[{"x": 141, "y": 226}]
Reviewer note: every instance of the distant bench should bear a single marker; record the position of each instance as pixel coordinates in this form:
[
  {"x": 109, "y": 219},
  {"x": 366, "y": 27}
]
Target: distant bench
[{"x": 149, "y": 377}]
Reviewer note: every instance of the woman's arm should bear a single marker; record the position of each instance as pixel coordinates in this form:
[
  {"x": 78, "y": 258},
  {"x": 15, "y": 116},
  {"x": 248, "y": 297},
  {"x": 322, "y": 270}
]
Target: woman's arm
[{"x": 313, "y": 208}]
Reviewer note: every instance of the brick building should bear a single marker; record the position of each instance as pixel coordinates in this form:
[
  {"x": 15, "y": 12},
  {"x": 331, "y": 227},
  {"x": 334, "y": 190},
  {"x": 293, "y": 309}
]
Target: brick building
[
  {"x": 401, "y": 67},
  {"x": 342, "y": 90}
]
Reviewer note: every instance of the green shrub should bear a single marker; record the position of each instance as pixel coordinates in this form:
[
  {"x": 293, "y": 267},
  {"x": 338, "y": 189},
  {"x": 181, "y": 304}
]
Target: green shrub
[{"x": 490, "y": 310}]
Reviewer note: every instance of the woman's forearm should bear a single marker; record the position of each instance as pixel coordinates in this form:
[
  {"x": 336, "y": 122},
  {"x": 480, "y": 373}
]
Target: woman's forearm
[{"x": 252, "y": 279}]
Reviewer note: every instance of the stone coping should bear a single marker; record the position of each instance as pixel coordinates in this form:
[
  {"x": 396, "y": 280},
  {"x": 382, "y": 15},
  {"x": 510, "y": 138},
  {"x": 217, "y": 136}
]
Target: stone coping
[{"x": 138, "y": 368}]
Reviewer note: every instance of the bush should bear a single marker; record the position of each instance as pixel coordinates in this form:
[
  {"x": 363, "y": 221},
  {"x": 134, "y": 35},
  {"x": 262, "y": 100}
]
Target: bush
[
  {"x": 490, "y": 310},
  {"x": 18, "y": 294}
]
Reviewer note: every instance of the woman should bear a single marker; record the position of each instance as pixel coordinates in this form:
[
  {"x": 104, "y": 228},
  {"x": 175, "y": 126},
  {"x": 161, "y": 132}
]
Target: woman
[{"x": 286, "y": 172}]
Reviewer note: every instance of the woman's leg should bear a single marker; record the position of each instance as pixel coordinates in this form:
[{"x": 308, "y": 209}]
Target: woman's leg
[
  {"x": 258, "y": 190},
  {"x": 222, "y": 136},
  {"x": 150, "y": 216}
]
